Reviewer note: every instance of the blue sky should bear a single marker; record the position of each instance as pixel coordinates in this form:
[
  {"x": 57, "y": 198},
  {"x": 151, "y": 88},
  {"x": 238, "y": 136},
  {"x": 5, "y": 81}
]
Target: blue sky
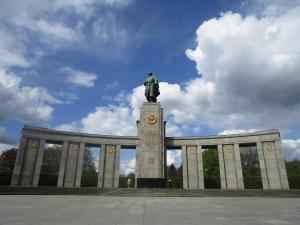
[{"x": 224, "y": 66}]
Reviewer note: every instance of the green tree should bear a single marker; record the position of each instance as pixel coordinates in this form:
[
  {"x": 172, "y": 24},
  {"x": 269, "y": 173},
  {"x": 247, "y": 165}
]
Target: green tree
[
  {"x": 293, "y": 173},
  {"x": 124, "y": 178},
  {"x": 179, "y": 171},
  {"x": 174, "y": 176},
  {"x": 172, "y": 171},
  {"x": 250, "y": 167},
  {"x": 89, "y": 176},
  {"x": 50, "y": 166},
  {"x": 7, "y": 163},
  {"x": 211, "y": 168}
]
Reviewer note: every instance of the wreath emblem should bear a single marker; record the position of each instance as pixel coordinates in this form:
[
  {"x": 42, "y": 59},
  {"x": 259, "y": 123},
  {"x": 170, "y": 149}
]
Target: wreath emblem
[{"x": 152, "y": 119}]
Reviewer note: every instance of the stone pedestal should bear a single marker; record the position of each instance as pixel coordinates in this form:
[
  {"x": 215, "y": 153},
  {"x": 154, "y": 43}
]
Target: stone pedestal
[{"x": 151, "y": 157}]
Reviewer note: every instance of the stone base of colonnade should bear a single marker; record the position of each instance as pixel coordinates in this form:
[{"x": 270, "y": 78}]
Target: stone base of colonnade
[{"x": 148, "y": 192}]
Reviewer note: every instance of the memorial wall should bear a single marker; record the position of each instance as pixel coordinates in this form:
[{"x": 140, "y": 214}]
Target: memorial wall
[{"x": 151, "y": 145}]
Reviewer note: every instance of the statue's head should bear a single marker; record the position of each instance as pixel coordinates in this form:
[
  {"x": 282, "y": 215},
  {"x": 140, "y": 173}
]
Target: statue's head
[{"x": 149, "y": 74}]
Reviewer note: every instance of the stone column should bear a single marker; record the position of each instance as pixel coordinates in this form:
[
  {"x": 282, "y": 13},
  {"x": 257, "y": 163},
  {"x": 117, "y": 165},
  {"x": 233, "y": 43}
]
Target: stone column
[
  {"x": 62, "y": 164},
  {"x": 194, "y": 168},
  {"x": 271, "y": 165},
  {"x": 29, "y": 159},
  {"x": 221, "y": 166},
  {"x": 71, "y": 165},
  {"x": 38, "y": 163},
  {"x": 281, "y": 166},
  {"x": 117, "y": 166},
  {"x": 109, "y": 167},
  {"x": 230, "y": 170},
  {"x": 184, "y": 168},
  {"x": 79, "y": 165},
  {"x": 200, "y": 168},
  {"x": 192, "y": 165},
  {"x": 137, "y": 164},
  {"x": 18, "y": 164},
  {"x": 238, "y": 166},
  {"x": 101, "y": 166},
  {"x": 262, "y": 165}
]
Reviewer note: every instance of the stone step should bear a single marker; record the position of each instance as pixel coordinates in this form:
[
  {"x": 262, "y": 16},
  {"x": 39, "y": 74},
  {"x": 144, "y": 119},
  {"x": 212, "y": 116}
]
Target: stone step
[
  {"x": 147, "y": 192},
  {"x": 152, "y": 192}
]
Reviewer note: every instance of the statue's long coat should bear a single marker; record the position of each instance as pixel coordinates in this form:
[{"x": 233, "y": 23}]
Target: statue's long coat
[{"x": 152, "y": 87}]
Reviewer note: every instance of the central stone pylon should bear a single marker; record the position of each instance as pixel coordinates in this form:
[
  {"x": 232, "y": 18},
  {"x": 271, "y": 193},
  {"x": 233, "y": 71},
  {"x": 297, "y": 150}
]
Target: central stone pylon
[{"x": 151, "y": 154}]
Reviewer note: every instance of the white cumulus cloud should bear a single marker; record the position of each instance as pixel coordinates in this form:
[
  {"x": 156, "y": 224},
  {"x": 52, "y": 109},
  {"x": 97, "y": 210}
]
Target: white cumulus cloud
[
  {"x": 174, "y": 157},
  {"x": 23, "y": 102},
  {"x": 12, "y": 50},
  {"x": 291, "y": 148},
  {"x": 253, "y": 66},
  {"x": 33, "y": 28},
  {"x": 237, "y": 131},
  {"x": 110, "y": 120},
  {"x": 4, "y": 147},
  {"x": 78, "y": 77},
  {"x": 114, "y": 120},
  {"x": 127, "y": 166}
]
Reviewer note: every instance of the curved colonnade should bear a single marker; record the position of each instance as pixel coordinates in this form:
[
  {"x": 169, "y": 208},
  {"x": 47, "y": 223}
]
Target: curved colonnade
[{"x": 30, "y": 155}]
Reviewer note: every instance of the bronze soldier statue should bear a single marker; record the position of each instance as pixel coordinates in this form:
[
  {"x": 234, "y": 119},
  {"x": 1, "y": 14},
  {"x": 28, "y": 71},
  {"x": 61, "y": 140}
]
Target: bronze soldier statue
[{"x": 151, "y": 88}]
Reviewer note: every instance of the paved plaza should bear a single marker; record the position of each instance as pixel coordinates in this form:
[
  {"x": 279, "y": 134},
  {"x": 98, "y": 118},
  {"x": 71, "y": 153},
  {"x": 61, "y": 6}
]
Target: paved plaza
[{"x": 81, "y": 210}]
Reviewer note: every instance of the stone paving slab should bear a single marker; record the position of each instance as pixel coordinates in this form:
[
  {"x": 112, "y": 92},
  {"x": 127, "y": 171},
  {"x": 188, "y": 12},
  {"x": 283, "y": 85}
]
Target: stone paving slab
[{"x": 92, "y": 210}]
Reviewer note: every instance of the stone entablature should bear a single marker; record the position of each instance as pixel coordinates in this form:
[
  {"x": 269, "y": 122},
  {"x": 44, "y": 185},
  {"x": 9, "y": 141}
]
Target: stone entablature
[
  {"x": 151, "y": 145},
  {"x": 60, "y": 136},
  {"x": 262, "y": 136}
]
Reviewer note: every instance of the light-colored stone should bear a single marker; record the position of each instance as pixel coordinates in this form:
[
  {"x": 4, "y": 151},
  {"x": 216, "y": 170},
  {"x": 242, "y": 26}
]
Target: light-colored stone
[
  {"x": 109, "y": 166},
  {"x": 184, "y": 168},
  {"x": 281, "y": 166},
  {"x": 79, "y": 165},
  {"x": 200, "y": 168},
  {"x": 101, "y": 166},
  {"x": 151, "y": 141},
  {"x": 31, "y": 151},
  {"x": 151, "y": 145},
  {"x": 238, "y": 166},
  {"x": 230, "y": 167},
  {"x": 117, "y": 166},
  {"x": 192, "y": 164},
  {"x": 194, "y": 167},
  {"x": 137, "y": 163},
  {"x": 38, "y": 164},
  {"x": 262, "y": 165},
  {"x": 263, "y": 136},
  {"x": 19, "y": 161},
  {"x": 271, "y": 165},
  {"x": 62, "y": 165},
  {"x": 99, "y": 210},
  {"x": 71, "y": 165},
  {"x": 55, "y": 135},
  {"x": 222, "y": 167}
]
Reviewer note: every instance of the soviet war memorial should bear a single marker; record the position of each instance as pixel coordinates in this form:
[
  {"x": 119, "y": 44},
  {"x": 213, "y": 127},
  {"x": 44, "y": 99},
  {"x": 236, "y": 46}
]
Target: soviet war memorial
[
  {"x": 149, "y": 112},
  {"x": 150, "y": 145}
]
